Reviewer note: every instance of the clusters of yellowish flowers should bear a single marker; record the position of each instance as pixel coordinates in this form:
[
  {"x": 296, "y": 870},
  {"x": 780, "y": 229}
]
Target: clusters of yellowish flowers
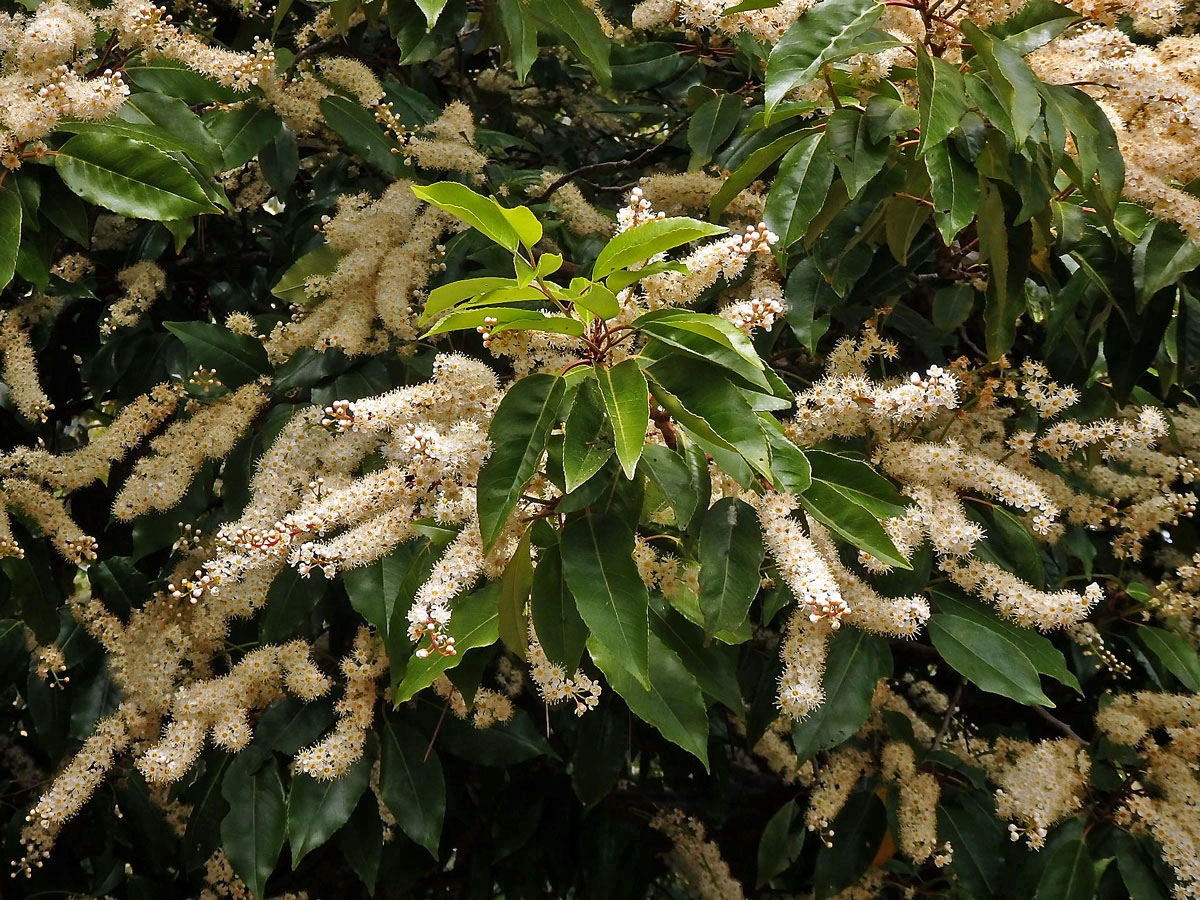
[{"x": 695, "y": 860}]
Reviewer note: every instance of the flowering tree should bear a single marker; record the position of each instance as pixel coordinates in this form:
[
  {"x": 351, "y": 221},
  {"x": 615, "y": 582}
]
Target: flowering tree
[{"x": 545, "y": 449}]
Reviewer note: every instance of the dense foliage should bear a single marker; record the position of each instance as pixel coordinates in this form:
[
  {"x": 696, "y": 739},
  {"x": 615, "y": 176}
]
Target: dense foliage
[{"x": 545, "y": 448}]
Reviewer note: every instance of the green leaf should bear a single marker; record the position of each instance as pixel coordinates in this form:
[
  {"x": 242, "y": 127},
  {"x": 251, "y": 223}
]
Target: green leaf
[
  {"x": 1006, "y": 249},
  {"x": 1034, "y": 25},
  {"x": 887, "y": 116},
  {"x": 579, "y": 25},
  {"x": 1015, "y": 83},
  {"x": 708, "y": 338},
  {"x": 627, "y": 401},
  {"x": 712, "y": 665},
  {"x": 432, "y": 9},
  {"x": 711, "y": 407},
  {"x": 779, "y": 845},
  {"x": 1162, "y": 256},
  {"x": 858, "y": 481},
  {"x": 942, "y": 99},
  {"x": 165, "y": 76},
  {"x": 362, "y": 134},
  {"x": 649, "y": 239},
  {"x": 852, "y": 522},
  {"x": 445, "y": 296},
  {"x": 858, "y": 155},
  {"x": 522, "y": 36},
  {"x": 586, "y": 445},
  {"x": 669, "y": 698},
  {"x": 711, "y": 125},
  {"x": 969, "y": 822},
  {"x": 987, "y": 658},
  {"x": 411, "y": 783},
  {"x": 130, "y": 178},
  {"x": 955, "y": 189},
  {"x": 560, "y": 629},
  {"x": 1037, "y": 648},
  {"x": 481, "y": 213},
  {"x": 1174, "y": 653},
  {"x": 823, "y": 33},
  {"x": 253, "y": 830},
  {"x": 518, "y": 435},
  {"x": 237, "y": 358},
  {"x": 169, "y": 124},
  {"x": 322, "y": 261},
  {"x": 855, "y": 662},
  {"x": 799, "y": 190},
  {"x": 242, "y": 132},
  {"x": 1069, "y": 874},
  {"x": 668, "y": 470},
  {"x": 474, "y": 623},
  {"x": 730, "y": 553},
  {"x": 316, "y": 809},
  {"x": 609, "y": 593},
  {"x": 10, "y": 233},
  {"x": 755, "y": 165},
  {"x": 514, "y": 593},
  {"x": 788, "y": 462}
]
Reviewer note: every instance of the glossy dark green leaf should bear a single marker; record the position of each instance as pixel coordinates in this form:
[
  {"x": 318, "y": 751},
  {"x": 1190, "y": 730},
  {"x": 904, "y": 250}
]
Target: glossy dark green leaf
[
  {"x": 1069, "y": 874},
  {"x": 1015, "y": 82},
  {"x": 130, "y": 177},
  {"x": 858, "y": 481},
  {"x": 474, "y": 623},
  {"x": 823, "y": 33},
  {"x": 757, "y": 163},
  {"x": 713, "y": 665},
  {"x": 943, "y": 99},
  {"x": 711, "y": 125},
  {"x": 800, "y": 188},
  {"x": 887, "y": 116},
  {"x": 165, "y": 76},
  {"x": 670, "y": 699},
  {"x": 10, "y": 233},
  {"x": 242, "y": 132},
  {"x": 626, "y": 399},
  {"x": 411, "y": 783},
  {"x": 587, "y": 444},
  {"x": 515, "y": 584},
  {"x": 1162, "y": 256},
  {"x": 316, "y": 809},
  {"x": 1176, "y": 654},
  {"x": 987, "y": 658},
  {"x": 579, "y": 26},
  {"x": 518, "y": 435},
  {"x": 559, "y": 627},
  {"x": 609, "y": 593},
  {"x": 669, "y": 471},
  {"x": 780, "y": 844},
  {"x": 858, "y": 155},
  {"x": 169, "y": 124},
  {"x": 253, "y": 830},
  {"x": 237, "y": 358},
  {"x": 955, "y": 189},
  {"x": 1034, "y": 25},
  {"x": 852, "y": 522},
  {"x": 730, "y": 553},
  {"x": 521, "y": 32},
  {"x": 358, "y": 128},
  {"x": 855, "y": 662},
  {"x": 969, "y": 822}
]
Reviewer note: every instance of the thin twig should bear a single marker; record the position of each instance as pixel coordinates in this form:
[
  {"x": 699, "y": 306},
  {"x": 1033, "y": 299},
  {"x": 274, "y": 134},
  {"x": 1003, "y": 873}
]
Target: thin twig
[
  {"x": 1059, "y": 724},
  {"x": 616, "y": 165},
  {"x": 950, "y": 711}
]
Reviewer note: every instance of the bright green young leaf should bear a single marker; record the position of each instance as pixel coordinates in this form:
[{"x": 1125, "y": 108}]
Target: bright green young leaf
[
  {"x": 987, "y": 658},
  {"x": 432, "y": 9},
  {"x": 316, "y": 809},
  {"x": 799, "y": 190},
  {"x": 130, "y": 178},
  {"x": 10, "y": 233},
  {"x": 481, "y": 213},
  {"x": 826, "y": 32},
  {"x": 609, "y": 594},
  {"x": 600, "y": 301},
  {"x": 521, "y": 32},
  {"x": 518, "y": 435},
  {"x": 1176, "y": 654},
  {"x": 788, "y": 462},
  {"x": 942, "y": 99},
  {"x": 560, "y": 629},
  {"x": 445, "y": 296},
  {"x": 626, "y": 398},
  {"x": 698, "y": 335},
  {"x": 649, "y": 239},
  {"x": 253, "y": 830},
  {"x": 237, "y": 358},
  {"x": 411, "y": 783},
  {"x": 670, "y": 698},
  {"x": 887, "y": 116},
  {"x": 322, "y": 261},
  {"x": 730, "y": 554},
  {"x": 474, "y": 623}
]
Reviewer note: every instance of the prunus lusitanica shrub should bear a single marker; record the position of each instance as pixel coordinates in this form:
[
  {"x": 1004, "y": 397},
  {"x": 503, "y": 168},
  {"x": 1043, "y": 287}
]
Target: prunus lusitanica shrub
[{"x": 554, "y": 449}]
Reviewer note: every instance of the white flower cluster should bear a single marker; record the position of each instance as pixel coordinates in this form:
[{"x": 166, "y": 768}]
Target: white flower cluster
[{"x": 553, "y": 683}]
